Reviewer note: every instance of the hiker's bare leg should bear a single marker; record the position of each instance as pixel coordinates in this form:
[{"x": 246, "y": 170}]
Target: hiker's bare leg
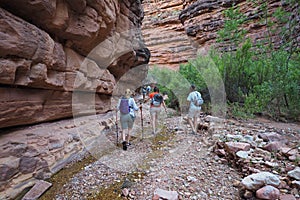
[
  {"x": 156, "y": 122},
  {"x": 153, "y": 121},
  {"x": 123, "y": 135},
  {"x": 195, "y": 124},
  {"x": 128, "y": 135},
  {"x": 191, "y": 124}
]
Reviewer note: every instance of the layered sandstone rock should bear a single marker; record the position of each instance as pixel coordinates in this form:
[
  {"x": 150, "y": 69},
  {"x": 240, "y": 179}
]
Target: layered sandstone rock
[
  {"x": 178, "y": 30},
  {"x": 202, "y": 19},
  {"x": 50, "y": 48},
  {"x": 37, "y": 152},
  {"x": 165, "y": 35},
  {"x": 62, "y": 59}
]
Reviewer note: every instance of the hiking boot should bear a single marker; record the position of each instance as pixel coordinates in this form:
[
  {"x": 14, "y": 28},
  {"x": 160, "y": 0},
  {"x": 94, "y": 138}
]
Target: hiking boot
[{"x": 124, "y": 145}]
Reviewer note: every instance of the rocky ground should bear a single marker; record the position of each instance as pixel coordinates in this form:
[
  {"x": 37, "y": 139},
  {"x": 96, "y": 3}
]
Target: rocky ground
[{"x": 174, "y": 164}]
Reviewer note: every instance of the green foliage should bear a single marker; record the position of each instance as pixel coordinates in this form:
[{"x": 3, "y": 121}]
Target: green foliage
[
  {"x": 191, "y": 73},
  {"x": 170, "y": 81},
  {"x": 232, "y": 30},
  {"x": 258, "y": 78},
  {"x": 203, "y": 73}
]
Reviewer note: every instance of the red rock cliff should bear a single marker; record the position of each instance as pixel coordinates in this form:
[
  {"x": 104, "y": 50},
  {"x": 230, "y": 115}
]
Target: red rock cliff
[
  {"x": 165, "y": 35},
  {"x": 176, "y": 30},
  {"x": 49, "y": 48},
  {"x": 202, "y": 20}
]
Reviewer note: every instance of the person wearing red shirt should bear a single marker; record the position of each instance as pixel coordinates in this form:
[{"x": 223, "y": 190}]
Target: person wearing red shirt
[{"x": 155, "y": 108}]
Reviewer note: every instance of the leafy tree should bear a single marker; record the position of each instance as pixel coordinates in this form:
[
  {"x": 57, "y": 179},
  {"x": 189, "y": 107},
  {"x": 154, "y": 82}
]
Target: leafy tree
[
  {"x": 259, "y": 76},
  {"x": 172, "y": 82}
]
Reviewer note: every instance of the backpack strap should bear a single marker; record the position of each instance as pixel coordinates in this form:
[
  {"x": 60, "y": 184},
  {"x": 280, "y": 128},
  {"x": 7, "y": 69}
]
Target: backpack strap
[{"x": 130, "y": 103}]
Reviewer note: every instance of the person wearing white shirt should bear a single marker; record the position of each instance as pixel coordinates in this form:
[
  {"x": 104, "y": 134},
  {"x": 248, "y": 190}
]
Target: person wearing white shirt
[{"x": 194, "y": 110}]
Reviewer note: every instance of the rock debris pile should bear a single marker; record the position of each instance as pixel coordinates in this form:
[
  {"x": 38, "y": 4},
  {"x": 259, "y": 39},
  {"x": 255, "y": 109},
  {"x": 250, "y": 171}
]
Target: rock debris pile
[{"x": 268, "y": 158}]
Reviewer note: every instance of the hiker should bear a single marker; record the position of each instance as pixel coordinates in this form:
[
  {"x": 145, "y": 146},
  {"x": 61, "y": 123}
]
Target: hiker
[
  {"x": 127, "y": 107},
  {"x": 148, "y": 89},
  {"x": 144, "y": 92},
  {"x": 165, "y": 96},
  {"x": 194, "y": 108},
  {"x": 155, "y": 107}
]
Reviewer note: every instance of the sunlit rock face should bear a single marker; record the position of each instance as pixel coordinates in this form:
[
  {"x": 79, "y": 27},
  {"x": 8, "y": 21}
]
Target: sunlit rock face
[
  {"x": 203, "y": 19},
  {"x": 164, "y": 34},
  {"x": 49, "y": 48},
  {"x": 62, "y": 59},
  {"x": 177, "y": 30}
]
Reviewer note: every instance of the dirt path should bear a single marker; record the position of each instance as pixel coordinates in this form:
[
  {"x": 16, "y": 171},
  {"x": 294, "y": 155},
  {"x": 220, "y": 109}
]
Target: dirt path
[{"x": 171, "y": 160}]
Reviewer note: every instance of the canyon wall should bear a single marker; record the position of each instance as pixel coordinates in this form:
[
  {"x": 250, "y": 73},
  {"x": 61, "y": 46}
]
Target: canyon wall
[
  {"x": 62, "y": 59},
  {"x": 177, "y": 30},
  {"x": 203, "y": 19},
  {"x": 50, "y": 48},
  {"x": 164, "y": 34}
]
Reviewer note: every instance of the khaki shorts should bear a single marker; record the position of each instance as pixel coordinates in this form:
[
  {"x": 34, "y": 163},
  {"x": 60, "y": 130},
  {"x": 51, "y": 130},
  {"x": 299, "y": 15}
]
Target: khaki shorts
[
  {"x": 155, "y": 111},
  {"x": 126, "y": 121},
  {"x": 194, "y": 112}
]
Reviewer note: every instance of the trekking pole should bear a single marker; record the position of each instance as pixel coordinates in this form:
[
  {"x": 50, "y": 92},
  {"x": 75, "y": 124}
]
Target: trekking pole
[
  {"x": 117, "y": 127},
  {"x": 142, "y": 120}
]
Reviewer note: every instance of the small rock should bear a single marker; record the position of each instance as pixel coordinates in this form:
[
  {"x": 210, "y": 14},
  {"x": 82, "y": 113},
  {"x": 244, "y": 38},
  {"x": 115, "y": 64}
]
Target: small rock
[
  {"x": 191, "y": 179},
  {"x": 125, "y": 192},
  {"x": 297, "y": 183},
  {"x": 271, "y": 164},
  {"x": 242, "y": 154},
  {"x": 156, "y": 197},
  {"x": 295, "y": 192},
  {"x": 236, "y": 183},
  {"x": 271, "y": 136},
  {"x": 248, "y": 194},
  {"x": 38, "y": 189},
  {"x": 220, "y": 152},
  {"x": 268, "y": 192},
  {"x": 234, "y": 147},
  {"x": 273, "y": 146},
  {"x": 170, "y": 195},
  {"x": 295, "y": 173},
  {"x": 288, "y": 151}
]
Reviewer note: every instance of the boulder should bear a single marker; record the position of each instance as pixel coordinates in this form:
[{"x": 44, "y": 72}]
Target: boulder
[
  {"x": 255, "y": 181},
  {"x": 233, "y": 147}
]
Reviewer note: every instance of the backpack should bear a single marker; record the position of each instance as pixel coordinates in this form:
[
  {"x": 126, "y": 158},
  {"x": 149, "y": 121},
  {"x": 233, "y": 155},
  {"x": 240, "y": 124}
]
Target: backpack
[
  {"x": 157, "y": 100},
  {"x": 124, "y": 106},
  {"x": 198, "y": 101}
]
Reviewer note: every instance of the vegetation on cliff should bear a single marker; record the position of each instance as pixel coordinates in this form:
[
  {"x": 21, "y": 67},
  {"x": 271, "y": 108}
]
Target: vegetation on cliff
[{"x": 260, "y": 76}]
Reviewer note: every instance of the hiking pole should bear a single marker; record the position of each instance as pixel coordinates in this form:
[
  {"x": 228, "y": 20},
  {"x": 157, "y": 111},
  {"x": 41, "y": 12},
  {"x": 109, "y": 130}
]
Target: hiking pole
[
  {"x": 117, "y": 127},
  {"x": 142, "y": 120}
]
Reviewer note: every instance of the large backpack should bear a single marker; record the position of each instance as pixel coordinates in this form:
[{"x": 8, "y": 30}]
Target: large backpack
[
  {"x": 124, "y": 105},
  {"x": 198, "y": 101},
  {"x": 157, "y": 100}
]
